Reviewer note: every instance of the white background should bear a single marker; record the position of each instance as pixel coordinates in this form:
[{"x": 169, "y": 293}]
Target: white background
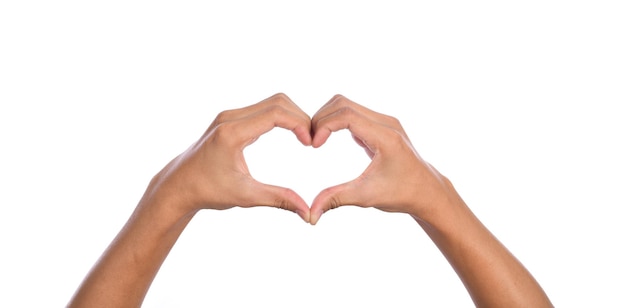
[{"x": 520, "y": 104}]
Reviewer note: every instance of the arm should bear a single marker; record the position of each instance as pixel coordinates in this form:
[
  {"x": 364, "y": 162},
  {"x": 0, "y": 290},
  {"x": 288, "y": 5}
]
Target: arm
[
  {"x": 399, "y": 180},
  {"x": 211, "y": 174}
]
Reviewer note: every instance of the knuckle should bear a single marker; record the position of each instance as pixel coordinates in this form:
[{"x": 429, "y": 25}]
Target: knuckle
[
  {"x": 340, "y": 100},
  {"x": 225, "y": 133},
  {"x": 394, "y": 122},
  {"x": 280, "y": 95},
  {"x": 395, "y": 140},
  {"x": 338, "y": 97},
  {"x": 279, "y": 98},
  {"x": 223, "y": 116},
  {"x": 334, "y": 203},
  {"x": 280, "y": 204},
  {"x": 336, "y": 100}
]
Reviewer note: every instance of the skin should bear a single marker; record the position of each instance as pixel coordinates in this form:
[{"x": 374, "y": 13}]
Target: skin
[
  {"x": 399, "y": 180},
  {"x": 212, "y": 174}
]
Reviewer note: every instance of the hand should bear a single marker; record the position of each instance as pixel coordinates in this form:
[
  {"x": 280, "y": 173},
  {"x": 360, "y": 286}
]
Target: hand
[
  {"x": 397, "y": 179},
  {"x": 212, "y": 173}
]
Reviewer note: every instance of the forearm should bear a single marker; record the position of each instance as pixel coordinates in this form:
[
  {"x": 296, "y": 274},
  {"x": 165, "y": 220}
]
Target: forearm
[
  {"x": 123, "y": 274},
  {"x": 210, "y": 174},
  {"x": 489, "y": 271}
]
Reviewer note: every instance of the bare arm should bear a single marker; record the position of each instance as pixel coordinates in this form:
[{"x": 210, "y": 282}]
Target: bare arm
[
  {"x": 211, "y": 174},
  {"x": 399, "y": 180}
]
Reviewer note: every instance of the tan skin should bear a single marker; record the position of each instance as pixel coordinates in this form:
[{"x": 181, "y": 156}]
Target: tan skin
[{"x": 212, "y": 172}]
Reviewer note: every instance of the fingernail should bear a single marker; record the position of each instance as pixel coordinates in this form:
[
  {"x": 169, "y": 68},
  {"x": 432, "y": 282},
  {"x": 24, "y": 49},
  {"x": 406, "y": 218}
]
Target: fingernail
[
  {"x": 314, "y": 218},
  {"x": 303, "y": 215}
]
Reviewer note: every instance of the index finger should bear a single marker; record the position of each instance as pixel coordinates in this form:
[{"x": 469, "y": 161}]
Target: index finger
[
  {"x": 279, "y": 99},
  {"x": 368, "y": 133},
  {"x": 339, "y": 102},
  {"x": 246, "y": 130}
]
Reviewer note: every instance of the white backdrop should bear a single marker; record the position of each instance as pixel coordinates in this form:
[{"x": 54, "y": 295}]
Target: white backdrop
[{"x": 520, "y": 104}]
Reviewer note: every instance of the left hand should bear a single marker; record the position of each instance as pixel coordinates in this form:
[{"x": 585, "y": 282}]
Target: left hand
[{"x": 397, "y": 179}]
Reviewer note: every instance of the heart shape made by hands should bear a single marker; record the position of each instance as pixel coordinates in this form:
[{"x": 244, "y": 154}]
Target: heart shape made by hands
[{"x": 278, "y": 158}]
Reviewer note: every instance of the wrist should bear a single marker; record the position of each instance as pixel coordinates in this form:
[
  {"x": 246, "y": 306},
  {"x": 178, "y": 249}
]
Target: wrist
[
  {"x": 165, "y": 210},
  {"x": 440, "y": 206},
  {"x": 168, "y": 197}
]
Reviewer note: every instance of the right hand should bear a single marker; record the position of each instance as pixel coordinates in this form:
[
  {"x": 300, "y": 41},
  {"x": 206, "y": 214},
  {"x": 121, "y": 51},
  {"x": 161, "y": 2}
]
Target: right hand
[{"x": 212, "y": 173}]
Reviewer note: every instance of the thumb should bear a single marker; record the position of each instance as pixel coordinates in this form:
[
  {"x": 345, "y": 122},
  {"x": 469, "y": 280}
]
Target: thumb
[
  {"x": 334, "y": 197},
  {"x": 278, "y": 197}
]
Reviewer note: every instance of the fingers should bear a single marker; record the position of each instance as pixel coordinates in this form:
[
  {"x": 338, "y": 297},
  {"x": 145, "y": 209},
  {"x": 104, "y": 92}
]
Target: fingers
[
  {"x": 339, "y": 104},
  {"x": 235, "y": 129},
  {"x": 279, "y": 108},
  {"x": 250, "y": 128},
  {"x": 241, "y": 127},
  {"x": 383, "y": 139},
  {"x": 368, "y": 133},
  {"x": 365, "y": 132}
]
